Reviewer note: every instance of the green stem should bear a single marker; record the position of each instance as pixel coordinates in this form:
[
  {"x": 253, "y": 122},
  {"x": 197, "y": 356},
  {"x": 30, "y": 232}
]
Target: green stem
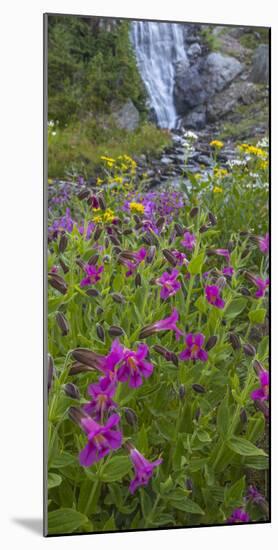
[{"x": 91, "y": 497}]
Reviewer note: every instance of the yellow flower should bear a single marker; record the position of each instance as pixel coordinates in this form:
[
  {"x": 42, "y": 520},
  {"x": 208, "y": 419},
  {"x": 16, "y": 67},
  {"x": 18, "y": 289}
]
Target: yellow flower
[
  {"x": 50, "y": 180},
  {"x": 217, "y": 144},
  {"x": 220, "y": 172},
  {"x": 217, "y": 189},
  {"x": 118, "y": 179},
  {"x": 107, "y": 159},
  {"x": 97, "y": 219},
  {"x": 263, "y": 164},
  {"x": 252, "y": 150},
  {"x": 137, "y": 207},
  {"x": 99, "y": 181}
]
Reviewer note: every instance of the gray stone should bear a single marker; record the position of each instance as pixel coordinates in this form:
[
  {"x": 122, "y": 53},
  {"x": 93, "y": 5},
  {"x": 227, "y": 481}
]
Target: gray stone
[
  {"x": 196, "y": 119},
  {"x": 224, "y": 102},
  {"x": 260, "y": 68},
  {"x": 194, "y": 51},
  {"x": 127, "y": 117},
  {"x": 219, "y": 70}
]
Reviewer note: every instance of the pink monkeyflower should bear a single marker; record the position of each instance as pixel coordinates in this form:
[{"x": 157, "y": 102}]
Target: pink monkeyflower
[
  {"x": 101, "y": 439},
  {"x": 180, "y": 257},
  {"x": 194, "y": 349},
  {"x": 169, "y": 323},
  {"x": 262, "y": 393},
  {"x": 134, "y": 367},
  {"x": 238, "y": 516},
  {"x": 169, "y": 284},
  {"x": 264, "y": 243},
  {"x": 228, "y": 271},
  {"x": 101, "y": 400},
  {"x": 93, "y": 275},
  {"x": 189, "y": 240},
  {"x": 109, "y": 363},
  {"x": 132, "y": 260},
  {"x": 262, "y": 285},
  {"x": 143, "y": 469},
  {"x": 223, "y": 252},
  {"x": 213, "y": 296}
]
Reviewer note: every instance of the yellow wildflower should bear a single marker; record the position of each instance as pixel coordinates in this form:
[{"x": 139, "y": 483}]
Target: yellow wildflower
[
  {"x": 217, "y": 144},
  {"x": 99, "y": 181},
  {"x": 220, "y": 172},
  {"x": 217, "y": 189},
  {"x": 137, "y": 207}
]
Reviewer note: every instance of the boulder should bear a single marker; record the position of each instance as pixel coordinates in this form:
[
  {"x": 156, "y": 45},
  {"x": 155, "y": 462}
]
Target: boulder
[
  {"x": 127, "y": 116},
  {"x": 219, "y": 70},
  {"x": 225, "y": 102},
  {"x": 196, "y": 119},
  {"x": 260, "y": 68}
]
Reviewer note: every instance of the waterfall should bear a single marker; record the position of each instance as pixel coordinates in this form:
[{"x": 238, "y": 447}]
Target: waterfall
[{"x": 158, "y": 47}]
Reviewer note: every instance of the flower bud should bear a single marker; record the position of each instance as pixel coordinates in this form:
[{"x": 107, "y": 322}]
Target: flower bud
[
  {"x": 93, "y": 260},
  {"x": 114, "y": 240},
  {"x": 71, "y": 390},
  {"x": 244, "y": 291},
  {"x": 198, "y": 388},
  {"x": 99, "y": 311},
  {"x": 131, "y": 417},
  {"x": 212, "y": 218},
  {"x": 243, "y": 416},
  {"x": 197, "y": 414},
  {"x": 106, "y": 242},
  {"x": 189, "y": 484},
  {"x": 84, "y": 194},
  {"x": 63, "y": 243},
  {"x": 204, "y": 228},
  {"x": 221, "y": 282},
  {"x": 182, "y": 392},
  {"x": 169, "y": 257},
  {"x": 179, "y": 229},
  {"x": 160, "y": 222},
  {"x": 257, "y": 366},
  {"x": 249, "y": 350},
  {"x": 116, "y": 250},
  {"x": 50, "y": 372},
  {"x": 193, "y": 212},
  {"x": 62, "y": 323},
  {"x": 100, "y": 332},
  {"x": 138, "y": 280},
  {"x": 150, "y": 254},
  {"x": 234, "y": 341},
  {"x": 57, "y": 282},
  {"x": 174, "y": 359},
  {"x": 63, "y": 266},
  {"x": 97, "y": 232},
  {"x": 167, "y": 354},
  {"x": 211, "y": 343},
  {"x": 92, "y": 292},
  {"x": 117, "y": 297},
  {"x": 115, "y": 331},
  {"x": 76, "y": 415},
  {"x": 88, "y": 357},
  {"x": 147, "y": 239},
  {"x": 80, "y": 263},
  {"x": 101, "y": 202},
  {"x": 127, "y": 231},
  {"x": 261, "y": 405}
]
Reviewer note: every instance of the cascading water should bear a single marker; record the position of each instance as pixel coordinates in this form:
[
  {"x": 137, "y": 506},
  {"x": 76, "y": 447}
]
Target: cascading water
[{"x": 158, "y": 47}]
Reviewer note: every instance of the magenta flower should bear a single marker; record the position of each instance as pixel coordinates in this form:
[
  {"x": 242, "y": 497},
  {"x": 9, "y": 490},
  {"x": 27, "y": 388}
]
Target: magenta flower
[
  {"x": 180, "y": 257},
  {"x": 213, "y": 296},
  {"x": 189, "y": 240},
  {"x": 132, "y": 260},
  {"x": 93, "y": 275},
  {"x": 101, "y": 439},
  {"x": 264, "y": 243},
  {"x": 253, "y": 495},
  {"x": 143, "y": 469},
  {"x": 238, "y": 516},
  {"x": 102, "y": 399},
  {"x": 169, "y": 284},
  {"x": 169, "y": 323},
  {"x": 262, "y": 285},
  {"x": 133, "y": 367},
  {"x": 108, "y": 365},
  {"x": 262, "y": 393},
  {"x": 228, "y": 271},
  {"x": 223, "y": 252},
  {"x": 194, "y": 350}
]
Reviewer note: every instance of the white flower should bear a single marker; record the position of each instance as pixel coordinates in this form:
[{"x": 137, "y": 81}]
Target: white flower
[{"x": 190, "y": 136}]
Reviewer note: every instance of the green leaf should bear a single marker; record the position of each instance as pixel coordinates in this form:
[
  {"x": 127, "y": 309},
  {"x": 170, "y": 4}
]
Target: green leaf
[
  {"x": 109, "y": 524},
  {"x": 187, "y": 505},
  {"x": 62, "y": 460},
  {"x": 244, "y": 447},
  {"x": 65, "y": 520},
  {"x": 223, "y": 417},
  {"x": 195, "y": 266},
  {"x": 257, "y": 462},
  {"x": 53, "y": 480},
  {"x": 235, "y": 308},
  {"x": 201, "y": 304},
  {"x": 233, "y": 495},
  {"x": 115, "y": 469},
  {"x": 257, "y": 316}
]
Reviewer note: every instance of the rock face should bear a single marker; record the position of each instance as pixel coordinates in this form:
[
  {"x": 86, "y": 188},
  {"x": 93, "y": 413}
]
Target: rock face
[
  {"x": 127, "y": 117},
  {"x": 260, "y": 68},
  {"x": 197, "y": 83}
]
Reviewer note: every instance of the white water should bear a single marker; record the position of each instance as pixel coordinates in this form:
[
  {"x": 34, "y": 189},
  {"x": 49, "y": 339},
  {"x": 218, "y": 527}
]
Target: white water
[{"x": 158, "y": 47}]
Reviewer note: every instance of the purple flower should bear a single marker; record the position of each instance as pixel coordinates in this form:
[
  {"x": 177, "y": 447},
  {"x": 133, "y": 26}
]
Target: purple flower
[
  {"x": 93, "y": 275},
  {"x": 213, "y": 296},
  {"x": 262, "y": 393},
  {"x": 194, "y": 350},
  {"x": 180, "y": 257},
  {"x": 133, "y": 366},
  {"x": 253, "y": 495},
  {"x": 143, "y": 469},
  {"x": 228, "y": 271},
  {"x": 169, "y": 284},
  {"x": 108, "y": 365},
  {"x": 102, "y": 399},
  {"x": 264, "y": 243},
  {"x": 189, "y": 240},
  {"x": 262, "y": 285},
  {"x": 101, "y": 439},
  {"x": 238, "y": 516},
  {"x": 132, "y": 260},
  {"x": 223, "y": 252},
  {"x": 169, "y": 323}
]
